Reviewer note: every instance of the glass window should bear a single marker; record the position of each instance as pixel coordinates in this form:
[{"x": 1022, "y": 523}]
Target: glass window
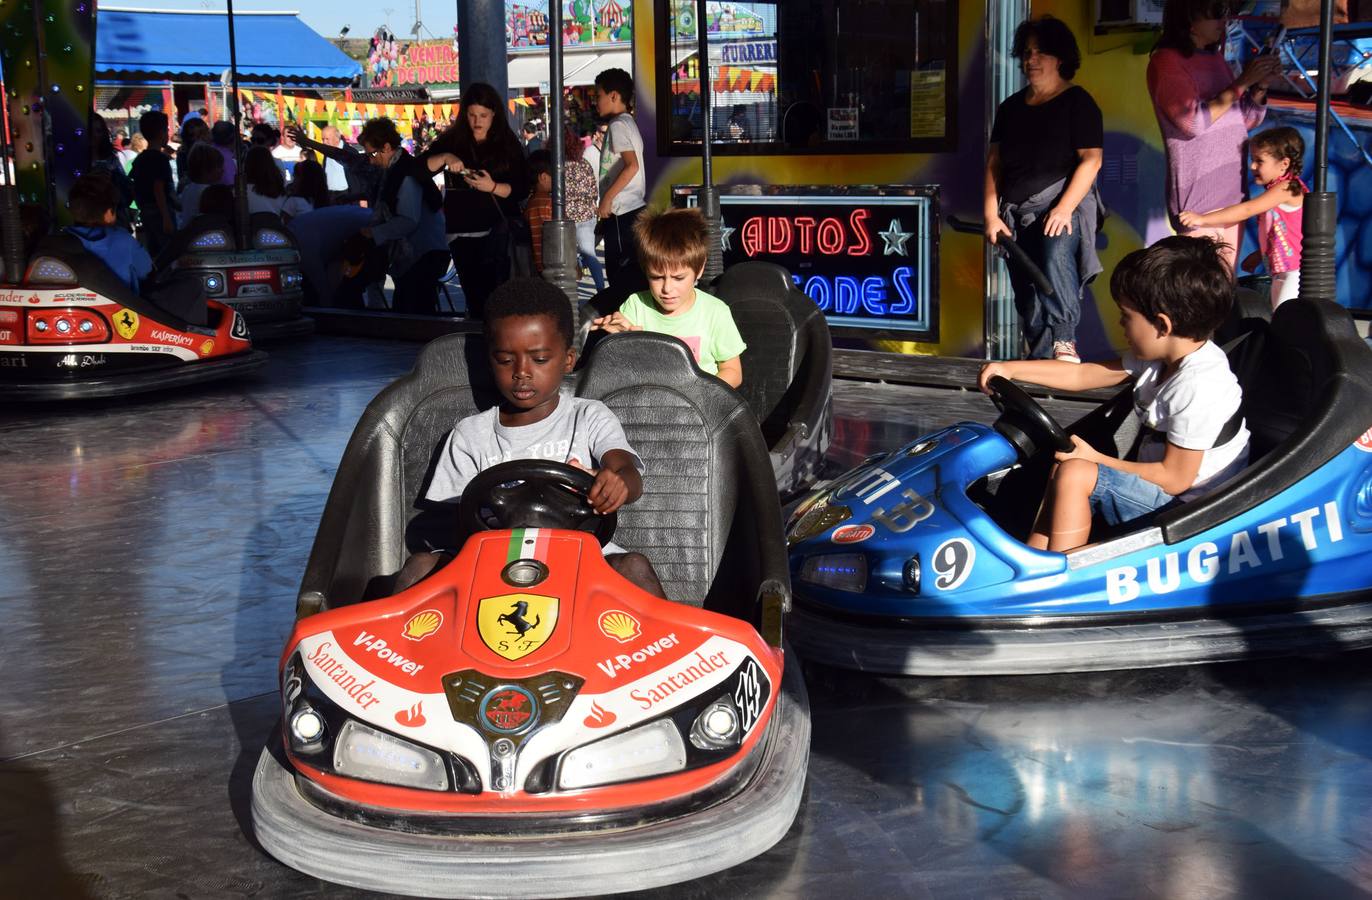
[{"x": 798, "y": 76}]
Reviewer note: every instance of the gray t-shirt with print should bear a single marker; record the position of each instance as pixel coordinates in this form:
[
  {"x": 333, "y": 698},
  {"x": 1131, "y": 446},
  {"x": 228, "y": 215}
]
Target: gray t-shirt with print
[{"x": 578, "y": 431}]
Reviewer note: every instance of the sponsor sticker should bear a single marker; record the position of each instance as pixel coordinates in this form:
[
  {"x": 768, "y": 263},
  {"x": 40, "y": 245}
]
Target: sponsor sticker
[
  {"x": 207, "y": 348},
  {"x": 1364, "y": 443},
  {"x": 508, "y": 709},
  {"x": 852, "y": 534},
  {"x": 660, "y": 687},
  {"x": 515, "y": 625},
  {"x": 342, "y": 675},
  {"x": 412, "y": 717},
  {"x": 171, "y": 337},
  {"x": 619, "y": 625},
  {"x": 422, "y": 624},
  {"x": 599, "y": 716},
  {"x": 126, "y": 323},
  {"x": 623, "y": 662},
  {"x": 382, "y": 651}
]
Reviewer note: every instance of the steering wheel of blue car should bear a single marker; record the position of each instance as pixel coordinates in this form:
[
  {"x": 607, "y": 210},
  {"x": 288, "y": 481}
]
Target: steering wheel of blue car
[
  {"x": 1024, "y": 423},
  {"x": 533, "y": 493}
]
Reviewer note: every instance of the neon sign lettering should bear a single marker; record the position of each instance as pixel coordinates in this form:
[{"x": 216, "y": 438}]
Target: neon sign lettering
[
  {"x": 777, "y": 235},
  {"x": 844, "y": 294}
]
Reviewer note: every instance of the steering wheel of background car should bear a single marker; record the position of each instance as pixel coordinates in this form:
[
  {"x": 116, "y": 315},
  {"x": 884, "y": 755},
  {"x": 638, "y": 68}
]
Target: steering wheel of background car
[
  {"x": 1024, "y": 423},
  {"x": 533, "y": 493}
]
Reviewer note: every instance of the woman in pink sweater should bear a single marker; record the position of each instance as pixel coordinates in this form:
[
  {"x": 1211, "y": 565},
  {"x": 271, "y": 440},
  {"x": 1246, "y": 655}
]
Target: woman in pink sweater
[{"x": 1204, "y": 113}]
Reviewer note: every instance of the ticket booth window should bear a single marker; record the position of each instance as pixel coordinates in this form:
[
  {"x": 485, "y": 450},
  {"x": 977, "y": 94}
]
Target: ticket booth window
[{"x": 810, "y": 76}]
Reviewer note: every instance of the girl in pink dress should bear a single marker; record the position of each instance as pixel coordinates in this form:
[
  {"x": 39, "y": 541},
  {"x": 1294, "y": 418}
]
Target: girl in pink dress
[{"x": 1277, "y": 158}]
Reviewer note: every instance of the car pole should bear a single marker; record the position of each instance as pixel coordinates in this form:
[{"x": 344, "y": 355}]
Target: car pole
[
  {"x": 11, "y": 226},
  {"x": 559, "y": 232},
  {"x": 1320, "y": 217},
  {"x": 240, "y": 193},
  {"x": 709, "y": 194}
]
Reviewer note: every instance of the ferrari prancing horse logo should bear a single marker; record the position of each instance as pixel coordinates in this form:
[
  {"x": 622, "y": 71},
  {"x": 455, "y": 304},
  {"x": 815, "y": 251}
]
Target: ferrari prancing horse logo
[
  {"x": 515, "y": 625},
  {"x": 126, "y": 323}
]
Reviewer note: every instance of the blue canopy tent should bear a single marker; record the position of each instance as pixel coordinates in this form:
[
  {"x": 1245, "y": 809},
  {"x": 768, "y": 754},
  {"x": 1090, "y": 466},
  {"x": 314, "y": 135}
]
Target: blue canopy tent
[{"x": 273, "y": 48}]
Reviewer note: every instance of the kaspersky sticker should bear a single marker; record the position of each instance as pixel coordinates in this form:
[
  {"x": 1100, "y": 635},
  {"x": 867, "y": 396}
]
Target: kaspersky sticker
[
  {"x": 515, "y": 625},
  {"x": 126, "y": 323}
]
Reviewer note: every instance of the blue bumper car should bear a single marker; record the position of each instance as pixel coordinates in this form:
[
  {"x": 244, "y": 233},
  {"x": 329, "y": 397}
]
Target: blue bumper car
[{"x": 915, "y": 562}]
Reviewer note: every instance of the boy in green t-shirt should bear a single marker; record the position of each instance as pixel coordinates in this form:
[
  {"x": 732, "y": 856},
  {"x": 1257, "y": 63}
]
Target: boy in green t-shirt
[{"x": 672, "y": 246}]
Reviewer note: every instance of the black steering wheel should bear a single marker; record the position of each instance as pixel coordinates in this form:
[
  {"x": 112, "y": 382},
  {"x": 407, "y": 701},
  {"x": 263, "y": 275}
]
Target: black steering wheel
[
  {"x": 1024, "y": 423},
  {"x": 533, "y": 493}
]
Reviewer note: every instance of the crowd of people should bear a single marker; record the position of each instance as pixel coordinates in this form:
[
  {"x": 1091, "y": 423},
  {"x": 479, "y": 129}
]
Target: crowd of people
[{"x": 473, "y": 196}]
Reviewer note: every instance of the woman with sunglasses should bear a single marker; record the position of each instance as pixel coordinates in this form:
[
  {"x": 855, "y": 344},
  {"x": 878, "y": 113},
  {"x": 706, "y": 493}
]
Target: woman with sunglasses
[{"x": 1205, "y": 113}]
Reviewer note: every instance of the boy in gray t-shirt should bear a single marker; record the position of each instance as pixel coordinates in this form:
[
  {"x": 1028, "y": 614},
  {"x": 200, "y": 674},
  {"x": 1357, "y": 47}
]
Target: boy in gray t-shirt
[{"x": 529, "y": 335}]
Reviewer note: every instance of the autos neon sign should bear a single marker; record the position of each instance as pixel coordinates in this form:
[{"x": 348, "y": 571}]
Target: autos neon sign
[{"x": 866, "y": 256}]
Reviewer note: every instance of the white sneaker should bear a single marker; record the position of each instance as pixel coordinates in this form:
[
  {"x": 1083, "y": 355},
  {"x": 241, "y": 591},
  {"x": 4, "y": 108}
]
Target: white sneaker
[{"x": 1066, "y": 351}]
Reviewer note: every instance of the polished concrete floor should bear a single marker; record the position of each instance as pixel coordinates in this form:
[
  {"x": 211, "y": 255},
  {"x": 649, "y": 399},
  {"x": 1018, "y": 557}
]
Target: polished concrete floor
[{"x": 150, "y": 555}]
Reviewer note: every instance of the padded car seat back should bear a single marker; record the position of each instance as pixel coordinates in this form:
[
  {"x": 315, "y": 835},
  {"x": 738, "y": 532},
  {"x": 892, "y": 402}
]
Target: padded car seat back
[
  {"x": 759, "y": 295},
  {"x": 703, "y": 454},
  {"x": 367, "y": 530},
  {"x": 1306, "y": 379}
]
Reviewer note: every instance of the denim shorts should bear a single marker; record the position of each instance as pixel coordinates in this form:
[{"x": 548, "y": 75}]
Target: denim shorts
[{"x": 1121, "y": 497}]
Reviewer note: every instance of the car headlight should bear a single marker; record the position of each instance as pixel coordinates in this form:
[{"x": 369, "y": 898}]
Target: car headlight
[
  {"x": 291, "y": 279},
  {"x": 364, "y": 752},
  {"x": 652, "y": 749},
  {"x": 717, "y": 727},
  {"x": 212, "y": 240},
  {"x": 214, "y": 282},
  {"x": 840, "y": 571}
]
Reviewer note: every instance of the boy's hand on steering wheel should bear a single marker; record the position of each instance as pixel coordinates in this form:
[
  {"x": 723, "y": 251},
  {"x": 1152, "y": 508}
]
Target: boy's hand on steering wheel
[
  {"x": 1080, "y": 450},
  {"x": 989, "y": 371}
]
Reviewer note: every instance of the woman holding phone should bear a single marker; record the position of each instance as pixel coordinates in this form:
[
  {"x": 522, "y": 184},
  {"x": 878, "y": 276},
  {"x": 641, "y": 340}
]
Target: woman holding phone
[
  {"x": 1205, "y": 113},
  {"x": 486, "y": 182}
]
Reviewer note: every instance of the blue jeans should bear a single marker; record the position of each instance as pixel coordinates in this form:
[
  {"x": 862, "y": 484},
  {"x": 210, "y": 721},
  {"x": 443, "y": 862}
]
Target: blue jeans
[
  {"x": 585, "y": 248},
  {"x": 1122, "y": 497},
  {"x": 1047, "y": 319}
]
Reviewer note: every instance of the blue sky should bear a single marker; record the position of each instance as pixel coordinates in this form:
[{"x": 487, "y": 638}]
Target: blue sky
[{"x": 362, "y": 16}]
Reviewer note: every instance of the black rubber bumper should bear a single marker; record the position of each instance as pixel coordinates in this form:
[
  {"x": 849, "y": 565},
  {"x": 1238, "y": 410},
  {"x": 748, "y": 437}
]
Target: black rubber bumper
[
  {"x": 135, "y": 382},
  {"x": 980, "y": 648},
  {"x": 282, "y": 329},
  {"x": 567, "y": 864}
]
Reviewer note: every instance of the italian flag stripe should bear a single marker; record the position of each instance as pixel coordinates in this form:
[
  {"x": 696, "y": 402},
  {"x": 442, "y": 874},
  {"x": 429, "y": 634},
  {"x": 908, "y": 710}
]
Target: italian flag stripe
[{"x": 528, "y": 543}]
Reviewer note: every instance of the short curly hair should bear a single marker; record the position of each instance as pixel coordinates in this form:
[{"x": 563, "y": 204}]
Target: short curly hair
[
  {"x": 530, "y": 297},
  {"x": 1053, "y": 38},
  {"x": 1184, "y": 278}
]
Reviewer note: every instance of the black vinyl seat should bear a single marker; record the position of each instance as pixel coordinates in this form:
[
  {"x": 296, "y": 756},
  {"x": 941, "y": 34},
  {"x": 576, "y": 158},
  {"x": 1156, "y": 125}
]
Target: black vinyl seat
[
  {"x": 787, "y": 368},
  {"x": 709, "y": 518}
]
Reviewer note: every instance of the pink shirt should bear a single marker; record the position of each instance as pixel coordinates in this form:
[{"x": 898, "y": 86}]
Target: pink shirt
[
  {"x": 1280, "y": 234},
  {"x": 1205, "y": 158}
]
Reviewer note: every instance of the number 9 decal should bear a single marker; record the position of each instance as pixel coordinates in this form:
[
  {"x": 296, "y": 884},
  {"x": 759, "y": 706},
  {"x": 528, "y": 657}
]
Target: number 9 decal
[{"x": 952, "y": 563}]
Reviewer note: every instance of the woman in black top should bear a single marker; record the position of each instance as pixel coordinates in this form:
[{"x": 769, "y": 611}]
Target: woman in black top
[
  {"x": 485, "y": 187},
  {"x": 1040, "y": 187}
]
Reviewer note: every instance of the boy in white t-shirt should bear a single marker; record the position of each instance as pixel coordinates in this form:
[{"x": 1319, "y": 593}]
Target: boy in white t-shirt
[
  {"x": 623, "y": 186},
  {"x": 672, "y": 246},
  {"x": 1172, "y": 296}
]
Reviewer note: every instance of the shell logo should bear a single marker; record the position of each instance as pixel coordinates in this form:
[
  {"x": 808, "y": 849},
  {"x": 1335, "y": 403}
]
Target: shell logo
[
  {"x": 619, "y": 625},
  {"x": 422, "y": 624},
  {"x": 207, "y": 348}
]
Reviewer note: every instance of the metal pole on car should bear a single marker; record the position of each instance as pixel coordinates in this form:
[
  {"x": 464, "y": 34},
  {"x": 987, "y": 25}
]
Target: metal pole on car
[
  {"x": 1320, "y": 216},
  {"x": 11, "y": 224},
  {"x": 559, "y": 233},
  {"x": 709, "y": 195},
  {"x": 240, "y": 192}
]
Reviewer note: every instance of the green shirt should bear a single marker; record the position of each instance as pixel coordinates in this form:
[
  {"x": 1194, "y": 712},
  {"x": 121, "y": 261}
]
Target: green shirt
[{"x": 707, "y": 327}]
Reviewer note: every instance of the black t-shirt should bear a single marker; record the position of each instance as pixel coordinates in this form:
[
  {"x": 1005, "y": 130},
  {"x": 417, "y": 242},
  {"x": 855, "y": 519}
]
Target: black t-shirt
[
  {"x": 1039, "y": 144},
  {"x": 150, "y": 167}
]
